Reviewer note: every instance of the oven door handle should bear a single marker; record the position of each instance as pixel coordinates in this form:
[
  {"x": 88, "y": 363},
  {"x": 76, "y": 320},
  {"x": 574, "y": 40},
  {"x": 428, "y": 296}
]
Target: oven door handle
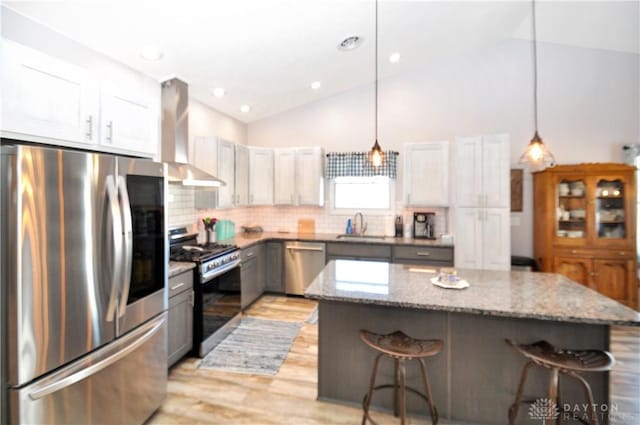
[{"x": 220, "y": 271}]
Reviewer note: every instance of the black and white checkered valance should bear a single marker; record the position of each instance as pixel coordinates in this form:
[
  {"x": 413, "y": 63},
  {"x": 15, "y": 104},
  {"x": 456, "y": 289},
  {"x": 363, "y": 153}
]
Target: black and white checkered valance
[{"x": 357, "y": 164}]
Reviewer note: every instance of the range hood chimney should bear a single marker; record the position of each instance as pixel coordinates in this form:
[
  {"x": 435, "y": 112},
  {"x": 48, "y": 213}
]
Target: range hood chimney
[{"x": 175, "y": 137}]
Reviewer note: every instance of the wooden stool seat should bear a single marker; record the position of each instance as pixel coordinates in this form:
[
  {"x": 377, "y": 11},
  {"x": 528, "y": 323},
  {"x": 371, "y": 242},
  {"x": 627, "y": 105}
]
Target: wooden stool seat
[
  {"x": 567, "y": 362},
  {"x": 400, "y": 347}
]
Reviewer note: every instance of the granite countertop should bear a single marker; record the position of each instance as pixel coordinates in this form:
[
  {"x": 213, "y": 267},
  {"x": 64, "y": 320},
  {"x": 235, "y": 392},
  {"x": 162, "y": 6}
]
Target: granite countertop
[
  {"x": 245, "y": 240},
  {"x": 177, "y": 267},
  {"x": 543, "y": 296}
]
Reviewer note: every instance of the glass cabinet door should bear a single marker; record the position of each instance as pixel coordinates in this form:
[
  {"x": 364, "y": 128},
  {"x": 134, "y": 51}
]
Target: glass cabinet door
[
  {"x": 571, "y": 209},
  {"x": 610, "y": 209}
]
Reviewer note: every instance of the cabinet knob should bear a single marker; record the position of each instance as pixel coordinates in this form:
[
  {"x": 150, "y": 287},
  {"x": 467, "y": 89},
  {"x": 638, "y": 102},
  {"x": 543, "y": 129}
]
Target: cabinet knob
[
  {"x": 622, "y": 253},
  {"x": 573, "y": 251}
]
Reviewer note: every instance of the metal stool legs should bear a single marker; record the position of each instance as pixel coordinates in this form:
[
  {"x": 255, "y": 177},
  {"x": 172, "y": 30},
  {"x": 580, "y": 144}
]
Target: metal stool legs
[
  {"x": 593, "y": 420},
  {"x": 399, "y": 392},
  {"x": 372, "y": 382},
  {"x": 513, "y": 410}
]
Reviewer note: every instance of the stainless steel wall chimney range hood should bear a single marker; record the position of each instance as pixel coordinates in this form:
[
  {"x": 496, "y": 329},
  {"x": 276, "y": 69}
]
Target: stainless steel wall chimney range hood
[{"x": 175, "y": 137}]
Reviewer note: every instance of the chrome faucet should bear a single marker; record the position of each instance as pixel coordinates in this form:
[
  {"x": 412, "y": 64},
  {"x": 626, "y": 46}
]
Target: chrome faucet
[{"x": 359, "y": 230}]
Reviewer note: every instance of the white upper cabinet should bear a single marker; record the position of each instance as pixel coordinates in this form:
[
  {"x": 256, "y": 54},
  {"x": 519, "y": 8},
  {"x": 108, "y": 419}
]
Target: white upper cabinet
[
  {"x": 284, "y": 177},
  {"x": 205, "y": 154},
  {"x": 298, "y": 177},
  {"x": 309, "y": 176},
  {"x": 260, "y": 176},
  {"x": 129, "y": 117},
  {"x": 426, "y": 174},
  {"x": 241, "y": 197},
  {"x": 45, "y": 97},
  {"x": 482, "y": 171},
  {"x": 102, "y": 107},
  {"x": 226, "y": 172}
]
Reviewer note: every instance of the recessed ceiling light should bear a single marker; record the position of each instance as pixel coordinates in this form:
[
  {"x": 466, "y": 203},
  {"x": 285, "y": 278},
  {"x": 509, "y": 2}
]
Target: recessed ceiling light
[
  {"x": 315, "y": 85},
  {"x": 151, "y": 53},
  {"x": 350, "y": 43},
  {"x": 245, "y": 108},
  {"x": 394, "y": 58},
  {"x": 218, "y": 92}
]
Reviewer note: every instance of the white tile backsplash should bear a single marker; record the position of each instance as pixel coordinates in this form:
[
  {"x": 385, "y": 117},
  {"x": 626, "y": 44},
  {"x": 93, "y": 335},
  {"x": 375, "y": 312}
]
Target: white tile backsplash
[{"x": 282, "y": 218}]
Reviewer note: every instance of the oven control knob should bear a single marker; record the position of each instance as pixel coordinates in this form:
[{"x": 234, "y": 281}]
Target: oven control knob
[
  {"x": 209, "y": 267},
  {"x": 216, "y": 264}
]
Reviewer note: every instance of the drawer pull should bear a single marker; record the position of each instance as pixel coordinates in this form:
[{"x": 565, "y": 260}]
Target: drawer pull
[
  {"x": 249, "y": 254},
  {"x": 622, "y": 253},
  {"x": 573, "y": 251},
  {"x": 179, "y": 285},
  {"x": 423, "y": 253}
]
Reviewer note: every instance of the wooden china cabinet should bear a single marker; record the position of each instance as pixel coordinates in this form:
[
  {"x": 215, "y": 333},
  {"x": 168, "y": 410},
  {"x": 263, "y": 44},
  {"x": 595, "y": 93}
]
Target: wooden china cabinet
[{"x": 585, "y": 226}]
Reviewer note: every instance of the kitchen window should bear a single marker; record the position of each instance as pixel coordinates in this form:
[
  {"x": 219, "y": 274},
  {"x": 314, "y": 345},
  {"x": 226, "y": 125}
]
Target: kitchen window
[{"x": 369, "y": 194}]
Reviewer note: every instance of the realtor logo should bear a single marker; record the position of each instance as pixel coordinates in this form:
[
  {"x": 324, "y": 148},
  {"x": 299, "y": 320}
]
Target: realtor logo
[{"x": 544, "y": 408}]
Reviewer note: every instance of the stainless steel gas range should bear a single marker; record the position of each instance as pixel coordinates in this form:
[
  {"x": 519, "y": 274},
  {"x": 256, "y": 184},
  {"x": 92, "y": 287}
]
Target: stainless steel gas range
[{"x": 216, "y": 286}]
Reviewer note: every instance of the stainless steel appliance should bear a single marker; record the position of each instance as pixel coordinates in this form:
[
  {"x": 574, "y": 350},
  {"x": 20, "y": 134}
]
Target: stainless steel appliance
[
  {"x": 216, "y": 287},
  {"x": 424, "y": 225},
  {"x": 84, "y": 286},
  {"x": 302, "y": 263}
]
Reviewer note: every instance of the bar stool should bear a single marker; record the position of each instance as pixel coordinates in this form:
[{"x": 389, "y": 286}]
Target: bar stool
[
  {"x": 400, "y": 347},
  {"x": 567, "y": 362}
]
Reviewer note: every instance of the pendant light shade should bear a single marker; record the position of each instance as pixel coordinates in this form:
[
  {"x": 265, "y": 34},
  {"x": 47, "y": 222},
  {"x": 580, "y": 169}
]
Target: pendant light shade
[
  {"x": 376, "y": 155},
  {"x": 537, "y": 157}
]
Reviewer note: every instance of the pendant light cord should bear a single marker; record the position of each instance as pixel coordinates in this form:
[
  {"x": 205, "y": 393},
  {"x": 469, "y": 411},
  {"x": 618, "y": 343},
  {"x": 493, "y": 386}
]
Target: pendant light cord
[
  {"x": 535, "y": 65},
  {"x": 376, "y": 68}
]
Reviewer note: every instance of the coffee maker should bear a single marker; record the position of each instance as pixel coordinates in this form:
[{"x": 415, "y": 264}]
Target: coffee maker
[{"x": 424, "y": 224}]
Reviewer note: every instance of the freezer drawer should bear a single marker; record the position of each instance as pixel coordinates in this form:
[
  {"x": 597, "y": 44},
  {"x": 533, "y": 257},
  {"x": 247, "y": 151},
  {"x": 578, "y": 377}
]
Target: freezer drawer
[
  {"x": 121, "y": 383},
  {"x": 302, "y": 263}
]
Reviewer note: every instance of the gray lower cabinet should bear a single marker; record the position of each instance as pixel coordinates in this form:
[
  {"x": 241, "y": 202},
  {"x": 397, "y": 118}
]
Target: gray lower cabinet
[
  {"x": 358, "y": 251},
  {"x": 252, "y": 274},
  {"x": 423, "y": 255},
  {"x": 180, "y": 316},
  {"x": 275, "y": 259}
]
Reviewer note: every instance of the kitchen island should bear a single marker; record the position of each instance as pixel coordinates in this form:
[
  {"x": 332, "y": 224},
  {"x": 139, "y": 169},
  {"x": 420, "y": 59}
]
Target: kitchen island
[{"x": 475, "y": 377}]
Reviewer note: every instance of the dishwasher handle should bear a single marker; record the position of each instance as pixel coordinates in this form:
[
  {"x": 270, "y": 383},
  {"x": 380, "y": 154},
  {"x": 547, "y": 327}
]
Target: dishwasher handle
[{"x": 305, "y": 248}]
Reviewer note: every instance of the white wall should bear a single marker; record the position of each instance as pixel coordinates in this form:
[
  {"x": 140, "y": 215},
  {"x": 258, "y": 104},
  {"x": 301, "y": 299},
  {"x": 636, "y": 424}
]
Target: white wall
[
  {"x": 588, "y": 107},
  {"x": 206, "y": 121}
]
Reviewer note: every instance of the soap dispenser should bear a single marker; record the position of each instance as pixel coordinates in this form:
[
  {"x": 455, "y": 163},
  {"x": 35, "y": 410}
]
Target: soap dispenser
[{"x": 349, "y": 229}]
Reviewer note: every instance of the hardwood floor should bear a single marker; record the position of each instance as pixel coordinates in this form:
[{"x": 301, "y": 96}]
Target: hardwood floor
[{"x": 213, "y": 397}]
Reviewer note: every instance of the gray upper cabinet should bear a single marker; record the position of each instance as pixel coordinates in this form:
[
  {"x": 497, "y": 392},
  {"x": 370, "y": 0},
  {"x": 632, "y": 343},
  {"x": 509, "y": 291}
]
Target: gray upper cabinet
[{"x": 241, "y": 195}]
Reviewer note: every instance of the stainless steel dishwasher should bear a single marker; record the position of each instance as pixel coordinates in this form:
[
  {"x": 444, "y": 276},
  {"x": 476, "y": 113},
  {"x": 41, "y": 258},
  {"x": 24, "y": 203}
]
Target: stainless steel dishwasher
[{"x": 302, "y": 263}]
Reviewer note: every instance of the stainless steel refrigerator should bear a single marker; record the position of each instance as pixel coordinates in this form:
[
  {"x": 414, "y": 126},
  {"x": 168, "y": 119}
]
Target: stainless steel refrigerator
[{"x": 84, "y": 297}]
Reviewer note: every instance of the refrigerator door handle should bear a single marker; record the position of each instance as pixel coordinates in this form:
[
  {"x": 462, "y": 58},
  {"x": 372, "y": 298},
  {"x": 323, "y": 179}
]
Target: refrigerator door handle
[
  {"x": 125, "y": 205},
  {"x": 131, "y": 343},
  {"x": 116, "y": 227}
]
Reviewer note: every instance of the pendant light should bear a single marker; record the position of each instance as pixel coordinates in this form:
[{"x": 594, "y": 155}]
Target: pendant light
[
  {"x": 376, "y": 155},
  {"x": 536, "y": 156}
]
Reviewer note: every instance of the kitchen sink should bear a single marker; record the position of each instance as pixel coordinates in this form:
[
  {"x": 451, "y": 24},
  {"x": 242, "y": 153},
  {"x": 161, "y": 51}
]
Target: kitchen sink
[{"x": 370, "y": 238}]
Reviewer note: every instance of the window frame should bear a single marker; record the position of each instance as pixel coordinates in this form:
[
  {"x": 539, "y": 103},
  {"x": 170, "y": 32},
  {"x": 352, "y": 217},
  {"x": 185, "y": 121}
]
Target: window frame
[{"x": 367, "y": 211}]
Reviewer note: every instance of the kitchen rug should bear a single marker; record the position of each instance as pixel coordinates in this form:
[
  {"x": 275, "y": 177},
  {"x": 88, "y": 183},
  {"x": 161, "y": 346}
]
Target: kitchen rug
[
  {"x": 313, "y": 317},
  {"x": 256, "y": 346}
]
